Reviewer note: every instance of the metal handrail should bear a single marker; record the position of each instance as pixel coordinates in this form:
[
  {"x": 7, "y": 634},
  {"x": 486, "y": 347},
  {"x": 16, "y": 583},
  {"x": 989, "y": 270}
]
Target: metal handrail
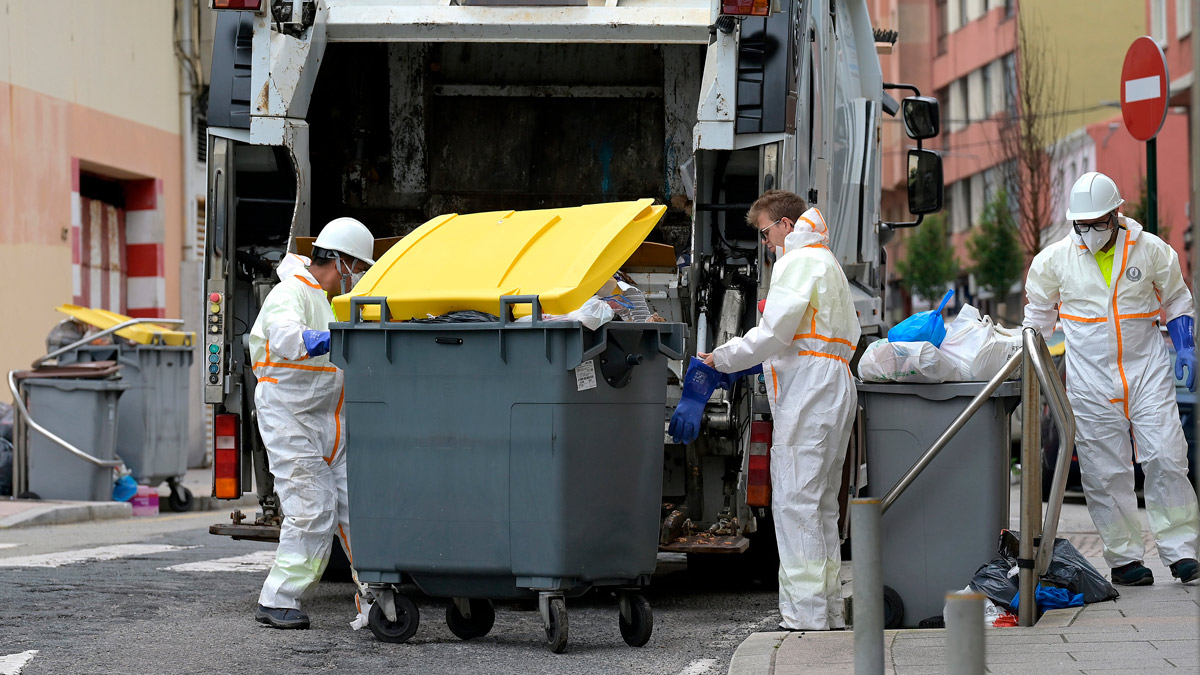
[
  {"x": 1064, "y": 419},
  {"x": 107, "y": 331},
  {"x": 973, "y": 407}
]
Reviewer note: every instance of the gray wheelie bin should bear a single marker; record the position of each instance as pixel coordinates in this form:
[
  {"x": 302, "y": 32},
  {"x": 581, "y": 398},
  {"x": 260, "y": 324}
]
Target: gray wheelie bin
[
  {"x": 83, "y": 412},
  {"x": 945, "y": 525},
  {"x": 152, "y": 419},
  {"x": 502, "y": 461}
]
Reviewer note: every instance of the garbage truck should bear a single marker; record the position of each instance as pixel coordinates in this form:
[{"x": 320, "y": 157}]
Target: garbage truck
[{"x": 397, "y": 111}]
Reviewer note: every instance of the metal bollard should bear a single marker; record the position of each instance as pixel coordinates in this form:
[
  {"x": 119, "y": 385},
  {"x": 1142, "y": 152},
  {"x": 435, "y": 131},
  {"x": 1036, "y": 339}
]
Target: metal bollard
[
  {"x": 965, "y": 648},
  {"x": 868, "y": 586}
]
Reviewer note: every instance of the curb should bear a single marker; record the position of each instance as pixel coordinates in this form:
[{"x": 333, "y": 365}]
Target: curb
[
  {"x": 61, "y": 513},
  {"x": 756, "y": 654}
]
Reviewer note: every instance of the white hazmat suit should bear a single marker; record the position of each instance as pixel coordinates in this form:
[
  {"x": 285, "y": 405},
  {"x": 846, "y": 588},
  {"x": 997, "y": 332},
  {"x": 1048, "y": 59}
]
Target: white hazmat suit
[
  {"x": 300, "y": 416},
  {"x": 1119, "y": 377},
  {"x": 805, "y": 338}
]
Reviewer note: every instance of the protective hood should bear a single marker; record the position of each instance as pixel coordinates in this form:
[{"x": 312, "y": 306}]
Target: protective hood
[
  {"x": 294, "y": 265},
  {"x": 810, "y": 229}
]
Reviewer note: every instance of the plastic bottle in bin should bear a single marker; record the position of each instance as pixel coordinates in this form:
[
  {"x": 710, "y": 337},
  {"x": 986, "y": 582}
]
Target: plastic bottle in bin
[{"x": 145, "y": 502}]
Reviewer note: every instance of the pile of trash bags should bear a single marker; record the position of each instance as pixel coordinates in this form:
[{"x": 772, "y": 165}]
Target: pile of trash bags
[
  {"x": 1070, "y": 581},
  {"x": 922, "y": 349}
]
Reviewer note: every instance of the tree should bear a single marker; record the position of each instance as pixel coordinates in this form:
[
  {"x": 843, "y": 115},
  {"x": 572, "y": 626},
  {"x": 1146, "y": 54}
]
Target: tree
[
  {"x": 928, "y": 264},
  {"x": 995, "y": 249},
  {"x": 1030, "y": 129},
  {"x": 1139, "y": 210}
]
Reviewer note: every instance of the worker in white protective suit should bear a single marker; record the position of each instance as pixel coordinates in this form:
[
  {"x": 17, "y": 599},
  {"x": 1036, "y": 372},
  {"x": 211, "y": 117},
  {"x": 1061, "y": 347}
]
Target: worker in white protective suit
[
  {"x": 299, "y": 400},
  {"x": 804, "y": 341},
  {"x": 1109, "y": 281}
]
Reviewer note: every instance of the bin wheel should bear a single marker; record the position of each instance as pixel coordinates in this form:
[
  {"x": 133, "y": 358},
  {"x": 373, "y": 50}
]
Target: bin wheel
[
  {"x": 483, "y": 617},
  {"x": 893, "y": 608},
  {"x": 556, "y": 632},
  {"x": 180, "y": 500},
  {"x": 405, "y": 626},
  {"x": 636, "y": 631}
]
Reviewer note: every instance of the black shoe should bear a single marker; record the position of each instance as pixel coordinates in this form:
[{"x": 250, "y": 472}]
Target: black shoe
[
  {"x": 1186, "y": 570},
  {"x": 784, "y": 629},
  {"x": 1133, "y": 574},
  {"x": 281, "y": 618}
]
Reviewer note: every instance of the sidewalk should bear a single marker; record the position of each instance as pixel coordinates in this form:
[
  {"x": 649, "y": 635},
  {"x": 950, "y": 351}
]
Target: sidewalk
[
  {"x": 1149, "y": 629},
  {"x": 30, "y": 512}
]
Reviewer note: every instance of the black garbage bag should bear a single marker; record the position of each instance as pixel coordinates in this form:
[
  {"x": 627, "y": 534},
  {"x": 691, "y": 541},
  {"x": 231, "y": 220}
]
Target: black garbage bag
[
  {"x": 463, "y": 316},
  {"x": 1068, "y": 569},
  {"x": 993, "y": 580},
  {"x": 6, "y": 421},
  {"x": 6, "y": 460}
]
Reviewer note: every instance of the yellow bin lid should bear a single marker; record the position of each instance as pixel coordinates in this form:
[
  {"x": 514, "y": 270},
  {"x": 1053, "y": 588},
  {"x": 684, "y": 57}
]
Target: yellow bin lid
[
  {"x": 142, "y": 333},
  {"x": 467, "y": 262}
]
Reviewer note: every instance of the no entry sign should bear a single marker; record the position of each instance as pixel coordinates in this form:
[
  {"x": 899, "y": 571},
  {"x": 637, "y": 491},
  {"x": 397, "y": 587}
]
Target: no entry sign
[{"x": 1144, "y": 84}]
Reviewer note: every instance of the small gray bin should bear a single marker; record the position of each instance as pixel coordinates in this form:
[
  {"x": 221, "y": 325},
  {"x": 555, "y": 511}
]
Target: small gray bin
[
  {"x": 946, "y": 524},
  {"x": 83, "y": 413},
  {"x": 152, "y": 419},
  {"x": 500, "y": 460}
]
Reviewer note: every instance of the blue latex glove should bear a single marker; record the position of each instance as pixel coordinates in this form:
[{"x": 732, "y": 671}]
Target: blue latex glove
[
  {"x": 316, "y": 342},
  {"x": 727, "y": 379},
  {"x": 1048, "y": 597},
  {"x": 698, "y": 386},
  {"x": 1182, "y": 330}
]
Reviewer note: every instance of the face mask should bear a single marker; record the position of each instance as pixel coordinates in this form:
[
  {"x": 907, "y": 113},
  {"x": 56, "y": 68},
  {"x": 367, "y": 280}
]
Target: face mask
[
  {"x": 1095, "y": 239},
  {"x": 349, "y": 278}
]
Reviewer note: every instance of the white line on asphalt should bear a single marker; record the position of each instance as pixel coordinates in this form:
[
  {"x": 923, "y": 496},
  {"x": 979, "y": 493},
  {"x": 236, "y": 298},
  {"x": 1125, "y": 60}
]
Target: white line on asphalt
[
  {"x": 699, "y": 667},
  {"x": 10, "y": 545},
  {"x": 88, "y": 554},
  {"x": 259, "y": 561},
  {"x": 13, "y": 664}
]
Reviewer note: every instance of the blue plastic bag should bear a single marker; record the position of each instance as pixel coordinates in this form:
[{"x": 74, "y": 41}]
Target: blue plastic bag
[
  {"x": 923, "y": 326},
  {"x": 1048, "y": 597}
]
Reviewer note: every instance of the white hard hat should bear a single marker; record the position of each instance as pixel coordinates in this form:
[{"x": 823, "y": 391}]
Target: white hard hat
[
  {"x": 1093, "y": 196},
  {"x": 348, "y": 236}
]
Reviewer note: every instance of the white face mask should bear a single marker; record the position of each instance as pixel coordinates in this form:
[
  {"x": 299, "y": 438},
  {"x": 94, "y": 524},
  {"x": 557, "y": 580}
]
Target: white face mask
[
  {"x": 349, "y": 279},
  {"x": 1095, "y": 239}
]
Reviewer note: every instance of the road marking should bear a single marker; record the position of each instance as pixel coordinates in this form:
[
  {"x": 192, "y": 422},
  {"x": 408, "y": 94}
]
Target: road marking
[
  {"x": 699, "y": 667},
  {"x": 89, "y": 555},
  {"x": 13, "y": 664},
  {"x": 10, "y": 545},
  {"x": 259, "y": 561}
]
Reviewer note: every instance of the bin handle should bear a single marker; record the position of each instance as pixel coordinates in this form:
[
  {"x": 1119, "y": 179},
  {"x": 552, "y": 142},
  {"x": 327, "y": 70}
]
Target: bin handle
[
  {"x": 107, "y": 331},
  {"x": 507, "y": 302},
  {"x": 358, "y": 302},
  {"x": 23, "y": 412}
]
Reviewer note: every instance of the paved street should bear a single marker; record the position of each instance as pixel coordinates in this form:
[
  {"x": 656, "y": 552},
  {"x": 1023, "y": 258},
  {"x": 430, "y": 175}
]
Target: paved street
[{"x": 162, "y": 594}]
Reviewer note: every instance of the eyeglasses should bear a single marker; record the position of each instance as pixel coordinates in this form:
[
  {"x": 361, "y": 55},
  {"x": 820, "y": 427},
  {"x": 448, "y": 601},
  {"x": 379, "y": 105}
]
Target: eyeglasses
[
  {"x": 763, "y": 232},
  {"x": 1101, "y": 226}
]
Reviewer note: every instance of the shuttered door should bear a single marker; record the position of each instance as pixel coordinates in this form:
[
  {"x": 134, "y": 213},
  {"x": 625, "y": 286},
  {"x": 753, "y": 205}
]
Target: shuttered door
[{"x": 102, "y": 249}]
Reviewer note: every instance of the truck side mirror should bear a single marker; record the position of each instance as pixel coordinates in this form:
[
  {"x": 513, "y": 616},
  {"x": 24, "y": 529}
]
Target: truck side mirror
[
  {"x": 921, "y": 117},
  {"x": 925, "y": 183}
]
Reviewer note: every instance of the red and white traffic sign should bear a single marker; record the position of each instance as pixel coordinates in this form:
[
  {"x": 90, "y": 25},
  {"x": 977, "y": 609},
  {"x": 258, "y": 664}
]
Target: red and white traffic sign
[{"x": 1144, "y": 84}]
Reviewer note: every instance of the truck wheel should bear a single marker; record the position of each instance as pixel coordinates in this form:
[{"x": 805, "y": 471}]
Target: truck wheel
[
  {"x": 556, "y": 632},
  {"x": 637, "y": 630},
  {"x": 405, "y": 625},
  {"x": 893, "y": 608},
  {"x": 483, "y": 617},
  {"x": 180, "y": 500}
]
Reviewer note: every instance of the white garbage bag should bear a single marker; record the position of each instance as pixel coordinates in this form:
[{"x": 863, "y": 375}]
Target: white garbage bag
[
  {"x": 594, "y": 313},
  {"x": 977, "y": 347},
  {"x": 909, "y": 362}
]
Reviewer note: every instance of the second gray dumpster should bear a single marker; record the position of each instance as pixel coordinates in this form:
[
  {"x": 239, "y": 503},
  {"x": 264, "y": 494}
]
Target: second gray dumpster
[
  {"x": 83, "y": 413},
  {"x": 505, "y": 460},
  {"x": 946, "y": 524},
  {"x": 152, "y": 419}
]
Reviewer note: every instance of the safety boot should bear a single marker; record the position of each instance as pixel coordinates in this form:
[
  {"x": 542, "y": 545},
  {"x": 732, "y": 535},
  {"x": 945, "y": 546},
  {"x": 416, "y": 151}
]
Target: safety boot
[
  {"x": 281, "y": 618},
  {"x": 1132, "y": 574},
  {"x": 1186, "y": 570}
]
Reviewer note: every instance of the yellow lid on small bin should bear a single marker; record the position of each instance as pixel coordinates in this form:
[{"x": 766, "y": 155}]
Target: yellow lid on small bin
[
  {"x": 141, "y": 333},
  {"x": 467, "y": 262}
]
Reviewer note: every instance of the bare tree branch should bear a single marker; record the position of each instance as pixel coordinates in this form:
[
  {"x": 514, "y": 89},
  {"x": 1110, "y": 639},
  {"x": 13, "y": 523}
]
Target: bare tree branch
[{"x": 1029, "y": 134}]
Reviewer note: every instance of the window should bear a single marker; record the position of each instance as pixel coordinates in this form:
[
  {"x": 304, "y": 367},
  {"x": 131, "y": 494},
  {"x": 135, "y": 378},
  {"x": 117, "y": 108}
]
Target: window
[
  {"x": 958, "y": 104},
  {"x": 975, "y": 97},
  {"x": 1158, "y": 21},
  {"x": 986, "y": 73},
  {"x": 962, "y": 13},
  {"x": 1183, "y": 18},
  {"x": 943, "y": 97},
  {"x": 943, "y": 26},
  {"x": 1010, "y": 84},
  {"x": 1009, "y": 6}
]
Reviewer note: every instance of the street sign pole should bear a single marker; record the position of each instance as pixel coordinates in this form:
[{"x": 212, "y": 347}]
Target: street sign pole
[{"x": 1152, "y": 185}]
